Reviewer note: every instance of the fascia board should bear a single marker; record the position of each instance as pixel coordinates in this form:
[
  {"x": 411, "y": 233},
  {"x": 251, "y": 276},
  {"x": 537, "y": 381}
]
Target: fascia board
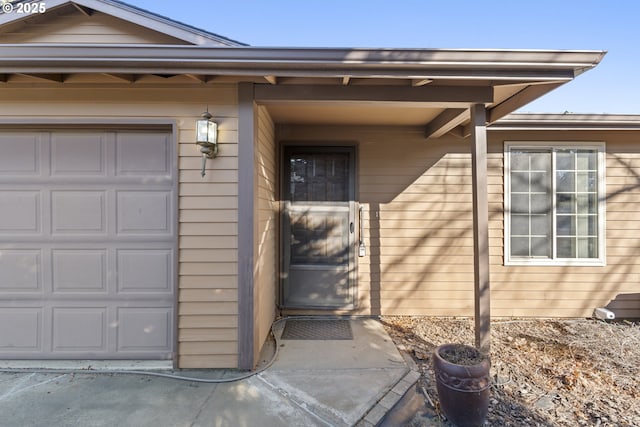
[
  {"x": 536, "y": 121},
  {"x": 370, "y": 62}
]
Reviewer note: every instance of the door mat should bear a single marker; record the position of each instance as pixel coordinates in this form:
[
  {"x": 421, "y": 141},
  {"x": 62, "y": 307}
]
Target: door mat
[{"x": 317, "y": 330}]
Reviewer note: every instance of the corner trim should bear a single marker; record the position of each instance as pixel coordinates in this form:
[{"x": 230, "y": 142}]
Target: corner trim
[{"x": 246, "y": 160}]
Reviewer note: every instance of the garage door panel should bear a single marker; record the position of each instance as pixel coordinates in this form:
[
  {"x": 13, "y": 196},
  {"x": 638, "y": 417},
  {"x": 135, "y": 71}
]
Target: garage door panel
[
  {"x": 79, "y": 329},
  {"x": 78, "y": 153},
  {"x": 78, "y": 212},
  {"x": 144, "y": 212},
  {"x": 79, "y": 270},
  {"x": 87, "y": 245},
  {"x": 142, "y": 329},
  {"x": 19, "y": 154},
  {"x": 20, "y": 270},
  {"x": 20, "y": 329},
  {"x": 145, "y": 271},
  {"x": 142, "y": 154},
  {"x": 20, "y": 212}
]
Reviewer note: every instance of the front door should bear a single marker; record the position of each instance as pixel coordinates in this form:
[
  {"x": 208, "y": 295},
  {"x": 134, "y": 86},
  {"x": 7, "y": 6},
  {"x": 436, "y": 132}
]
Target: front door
[{"x": 318, "y": 228}]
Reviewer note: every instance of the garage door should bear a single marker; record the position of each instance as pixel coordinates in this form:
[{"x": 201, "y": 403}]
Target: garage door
[{"x": 87, "y": 244}]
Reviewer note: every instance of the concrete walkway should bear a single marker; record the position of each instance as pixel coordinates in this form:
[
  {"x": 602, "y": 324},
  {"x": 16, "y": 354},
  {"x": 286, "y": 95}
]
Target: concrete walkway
[{"x": 311, "y": 383}]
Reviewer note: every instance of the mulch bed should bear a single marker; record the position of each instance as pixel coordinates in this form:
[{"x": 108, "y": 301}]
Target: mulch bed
[{"x": 545, "y": 372}]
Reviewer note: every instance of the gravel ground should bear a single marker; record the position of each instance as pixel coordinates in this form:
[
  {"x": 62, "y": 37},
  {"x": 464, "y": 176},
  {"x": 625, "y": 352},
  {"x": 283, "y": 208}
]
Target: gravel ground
[{"x": 551, "y": 372}]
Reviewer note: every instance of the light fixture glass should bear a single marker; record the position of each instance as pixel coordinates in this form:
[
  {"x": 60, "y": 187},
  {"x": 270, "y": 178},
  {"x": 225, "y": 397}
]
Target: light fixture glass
[{"x": 207, "y": 138}]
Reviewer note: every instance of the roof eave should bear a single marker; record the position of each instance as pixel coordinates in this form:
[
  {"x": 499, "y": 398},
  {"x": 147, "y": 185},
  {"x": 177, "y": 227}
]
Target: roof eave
[
  {"x": 567, "y": 121},
  {"x": 545, "y": 65}
]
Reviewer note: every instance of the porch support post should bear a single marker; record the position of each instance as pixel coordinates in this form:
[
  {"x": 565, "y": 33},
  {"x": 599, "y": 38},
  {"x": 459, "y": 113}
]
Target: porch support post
[
  {"x": 246, "y": 235},
  {"x": 480, "y": 227}
]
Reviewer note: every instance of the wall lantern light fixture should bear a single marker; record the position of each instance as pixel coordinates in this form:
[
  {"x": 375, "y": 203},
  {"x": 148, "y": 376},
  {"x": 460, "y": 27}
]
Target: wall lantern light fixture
[{"x": 207, "y": 138}]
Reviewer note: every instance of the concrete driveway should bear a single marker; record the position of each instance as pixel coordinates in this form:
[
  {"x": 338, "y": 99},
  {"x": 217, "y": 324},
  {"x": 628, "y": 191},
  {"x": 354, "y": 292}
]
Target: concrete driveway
[{"x": 311, "y": 383}]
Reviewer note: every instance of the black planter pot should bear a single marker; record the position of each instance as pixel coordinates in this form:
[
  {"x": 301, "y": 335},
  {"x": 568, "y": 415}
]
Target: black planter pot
[{"x": 463, "y": 390}]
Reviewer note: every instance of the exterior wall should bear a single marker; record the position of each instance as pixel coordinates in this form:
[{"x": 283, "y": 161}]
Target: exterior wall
[
  {"x": 417, "y": 200},
  {"x": 576, "y": 291},
  {"x": 266, "y": 276},
  {"x": 417, "y": 197},
  {"x": 78, "y": 28},
  {"x": 418, "y": 228},
  {"x": 207, "y": 306},
  {"x": 417, "y": 204}
]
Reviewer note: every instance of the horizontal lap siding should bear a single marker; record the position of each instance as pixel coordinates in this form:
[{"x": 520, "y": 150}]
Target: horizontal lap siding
[
  {"x": 207, "y": 298},
  {"x": 79, "y": 28},
  {"x": 576, "y": 291},
  {"x": 418, "y": 226},
  {"x": 208, "y": 244},
  {"x": 266, "y": 240},
  {"x": 416, "y": 196}
]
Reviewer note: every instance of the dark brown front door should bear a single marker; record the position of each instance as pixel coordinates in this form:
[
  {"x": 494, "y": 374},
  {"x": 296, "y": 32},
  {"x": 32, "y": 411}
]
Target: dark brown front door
[{"x": 318, "y": 268}]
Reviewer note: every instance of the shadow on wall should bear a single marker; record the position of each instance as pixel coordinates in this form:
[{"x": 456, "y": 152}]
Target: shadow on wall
[
  {"x": 575, "y": 291},
  {"x": 417, "y": 197},
  {"x": 419, "y": 224},
  {"x": 434, "y": 262}
]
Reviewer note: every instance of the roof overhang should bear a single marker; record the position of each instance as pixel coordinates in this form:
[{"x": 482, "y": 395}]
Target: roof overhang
[
  {"x": 432, "y": 64},
  {"x": 433, "y": 88},
  {"x": 567, "y": 121}
]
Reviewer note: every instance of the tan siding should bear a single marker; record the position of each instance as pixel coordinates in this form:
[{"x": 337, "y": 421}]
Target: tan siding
[
  {"x": 202, "y": 255},
  {"x": 206, "y": 361},
  {"x": 209, "y": 334},
  {"x": 190, "y": 163},
  {"x": 266, "y": 240},
  {"x": 78, "y": 28},
  {"x": 208, "y": 347},
  {"x": 198, "y": 281},
  {"x": 417, "y": 200},
  {"x": 208, "y": 321},
  {"x": 208, "y": 242},
  {"x": 203, "y": 295},
  {"x": 204, "y": 282},
  {"x": 204, "y": 308},
  {"x": 217, "y": 176},
  {"x": 207, "y": 207},
  {"x": 417, "y": 227},
  {"x": 208, "y": 229},
  {"x": 576, "y": 291}
]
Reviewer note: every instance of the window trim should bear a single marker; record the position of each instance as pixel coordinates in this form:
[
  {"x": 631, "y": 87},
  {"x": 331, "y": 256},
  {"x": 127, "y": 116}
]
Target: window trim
[{"x": 602, "y": 202}]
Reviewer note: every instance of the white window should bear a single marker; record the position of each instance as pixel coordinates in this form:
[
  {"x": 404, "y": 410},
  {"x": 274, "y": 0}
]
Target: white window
[{"x": 554, "y": 203}]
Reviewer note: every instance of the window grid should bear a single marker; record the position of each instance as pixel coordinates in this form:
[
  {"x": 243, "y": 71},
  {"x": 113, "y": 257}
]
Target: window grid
[
  {"x": 538, "y": 236},
  {"x": 575, "y": 207},
  {"x": 574, "y": 214}
]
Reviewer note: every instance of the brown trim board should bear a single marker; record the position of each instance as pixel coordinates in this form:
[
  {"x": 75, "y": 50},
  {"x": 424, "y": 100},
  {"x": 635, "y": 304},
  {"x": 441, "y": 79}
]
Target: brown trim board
[{"x": 246, "y": 193}]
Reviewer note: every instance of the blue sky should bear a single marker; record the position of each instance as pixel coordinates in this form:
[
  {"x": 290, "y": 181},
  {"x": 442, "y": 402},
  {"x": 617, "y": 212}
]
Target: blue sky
[{"x": 610, "y": 25}]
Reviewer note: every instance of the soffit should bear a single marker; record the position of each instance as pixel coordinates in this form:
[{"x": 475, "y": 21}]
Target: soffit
[
  {"x": 367, "y": 113},
  {"x": 351, "y": 113}
]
